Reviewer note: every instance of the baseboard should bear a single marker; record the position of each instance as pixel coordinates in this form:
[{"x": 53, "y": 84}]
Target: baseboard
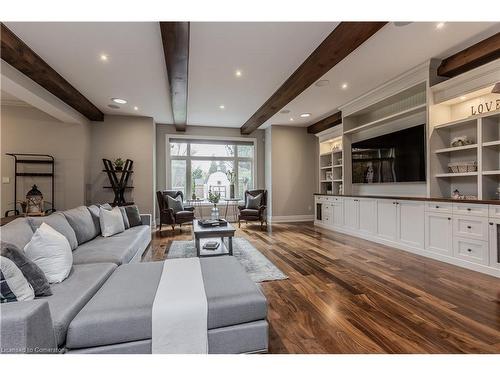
[{"x": 290, "y": 218}]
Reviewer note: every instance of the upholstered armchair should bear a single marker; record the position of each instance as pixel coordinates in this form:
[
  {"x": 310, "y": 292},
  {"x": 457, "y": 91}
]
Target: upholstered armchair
[
  {"x": 253, "y": 214},
  {"x": 167, "y": 214}
]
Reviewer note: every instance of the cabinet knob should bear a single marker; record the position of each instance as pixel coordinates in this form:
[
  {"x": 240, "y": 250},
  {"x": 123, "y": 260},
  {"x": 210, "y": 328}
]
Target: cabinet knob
[
  {"x": 437, "y": 206},
  {"x": 469, "y": 227},
  {"x": 468, "y": 209},
  {"x": 491, "y": 223},
  {"x": 449, "y": 218},
  {"x": 469, "y": 250}
]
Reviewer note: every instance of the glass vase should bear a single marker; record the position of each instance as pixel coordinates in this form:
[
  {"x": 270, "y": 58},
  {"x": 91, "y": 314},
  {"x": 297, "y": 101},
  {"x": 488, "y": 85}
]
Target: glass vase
[{"x": 215, "y": 213}]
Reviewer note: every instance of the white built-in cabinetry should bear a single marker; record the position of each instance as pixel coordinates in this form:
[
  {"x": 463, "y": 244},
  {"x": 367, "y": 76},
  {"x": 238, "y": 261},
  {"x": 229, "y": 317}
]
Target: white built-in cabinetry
[{"x": 463, "y": 234}]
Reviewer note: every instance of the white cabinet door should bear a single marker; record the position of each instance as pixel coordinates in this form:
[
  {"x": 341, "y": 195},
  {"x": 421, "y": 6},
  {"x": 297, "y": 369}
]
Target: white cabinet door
[
  {"x": 411, "y": 217},
  {"x": 368, "y": 215},
  {"x": 439, "y": 233},
  {"x": 327, "y": 214},
  {"x": 351, "y": 213},
  {"x": 338, "y": 214},
  {"x": 387, "y": 219},
  {"x": 494, "y": 243}
]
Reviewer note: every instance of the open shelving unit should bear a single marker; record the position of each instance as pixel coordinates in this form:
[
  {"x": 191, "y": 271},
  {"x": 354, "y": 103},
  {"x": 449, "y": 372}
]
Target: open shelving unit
[
  {"x": 331, "y": 166},
  {"x": 452, "y": 119}
]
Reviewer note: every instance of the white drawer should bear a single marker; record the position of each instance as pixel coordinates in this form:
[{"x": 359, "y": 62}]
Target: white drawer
[
  {"x": 320, "y": 199},
  {"x": 339, "y": 200},
  {"x": 471, "y": 227},
  {"x": 439, "y": 207},
  {"x": 470, "y": 209},
  {"x": 471, "y": 250},
  {"x": 494, "y": 211}
]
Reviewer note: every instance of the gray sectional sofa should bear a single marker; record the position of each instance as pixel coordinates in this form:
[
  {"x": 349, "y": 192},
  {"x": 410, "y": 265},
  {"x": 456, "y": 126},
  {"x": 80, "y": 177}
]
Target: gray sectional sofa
[{"x": 105, "y": 304}]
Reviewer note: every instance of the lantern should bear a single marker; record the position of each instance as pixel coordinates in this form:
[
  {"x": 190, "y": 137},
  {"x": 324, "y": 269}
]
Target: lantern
[{"x": 34, "y": 202}]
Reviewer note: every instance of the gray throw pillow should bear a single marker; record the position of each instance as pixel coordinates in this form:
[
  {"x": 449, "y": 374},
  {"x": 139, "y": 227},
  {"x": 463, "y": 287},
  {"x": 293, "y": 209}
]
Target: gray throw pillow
[
  {"x": 94, "y": 212},
  {"x": 33, "y": 274},
  {"x": 125, "y": 217},
  {"x": 174, "y": 204},
  {"x": 133, "y": 216},
  {"x": 253, "y": 202},
  {"x": 82, "y": 223},
  {"x": 13, "y": 284}
]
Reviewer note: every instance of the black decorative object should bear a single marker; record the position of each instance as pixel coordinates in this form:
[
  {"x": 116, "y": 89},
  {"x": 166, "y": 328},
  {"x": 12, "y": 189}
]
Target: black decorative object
[
  {"x": 118, "y": 184},
  {"x": 32, "y": 159}
]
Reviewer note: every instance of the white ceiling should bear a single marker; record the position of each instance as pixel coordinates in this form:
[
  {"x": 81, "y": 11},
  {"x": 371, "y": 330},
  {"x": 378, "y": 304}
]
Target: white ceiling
[
  {"x": 267, "y": 53},
  {"x": 389, "y": 53},
  {"x": 135, "y": 69}
]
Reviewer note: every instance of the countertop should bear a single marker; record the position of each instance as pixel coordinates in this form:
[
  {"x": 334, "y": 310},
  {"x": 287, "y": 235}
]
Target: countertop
[{"x": 450, "y": 200}]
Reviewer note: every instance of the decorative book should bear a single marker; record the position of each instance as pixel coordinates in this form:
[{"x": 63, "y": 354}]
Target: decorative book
[{"x": 211, "y": 245}]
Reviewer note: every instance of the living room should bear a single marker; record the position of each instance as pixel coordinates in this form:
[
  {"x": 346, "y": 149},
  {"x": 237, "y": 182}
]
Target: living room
[{"x": 293, "y": 186}]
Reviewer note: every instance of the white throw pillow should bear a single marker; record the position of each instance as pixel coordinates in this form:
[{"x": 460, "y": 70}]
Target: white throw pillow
[
  {"x": 50, "y": 251},
  {"x": 111, "y": 221},
  {"x": 16, "y": 287}
]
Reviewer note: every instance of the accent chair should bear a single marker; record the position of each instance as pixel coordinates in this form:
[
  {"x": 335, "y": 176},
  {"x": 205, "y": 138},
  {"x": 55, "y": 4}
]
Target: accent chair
[
  {"x": 167, "y": 214},
  {"x": 256, "y": 213}
]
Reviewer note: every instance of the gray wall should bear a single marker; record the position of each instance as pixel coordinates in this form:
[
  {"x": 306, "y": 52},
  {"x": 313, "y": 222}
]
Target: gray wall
[
  {"x": 125, "y": 137},
  {"x": 268, "y": 170},
  {"x": 25, "y": 129},
  {"x": 294, "y": 170}
]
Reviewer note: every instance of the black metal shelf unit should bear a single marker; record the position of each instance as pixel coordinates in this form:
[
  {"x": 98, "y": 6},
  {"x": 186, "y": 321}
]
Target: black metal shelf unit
[
  {"x": 32, "y": 159},
  {"x": 119, "y": 185}
]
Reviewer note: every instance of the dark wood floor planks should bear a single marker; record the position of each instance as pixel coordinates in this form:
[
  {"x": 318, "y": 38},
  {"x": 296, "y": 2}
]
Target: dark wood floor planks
[{"x": 348, "y": 295}]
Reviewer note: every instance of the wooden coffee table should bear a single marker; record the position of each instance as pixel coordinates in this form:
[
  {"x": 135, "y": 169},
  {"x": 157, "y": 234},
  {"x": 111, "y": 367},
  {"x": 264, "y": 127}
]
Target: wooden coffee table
[{"x": 204, "y": 234}]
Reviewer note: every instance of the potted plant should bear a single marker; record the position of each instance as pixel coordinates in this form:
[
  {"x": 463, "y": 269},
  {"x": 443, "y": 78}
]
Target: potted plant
[
  {"x": 118, "y": 163},
  {"x": 214, "y": 199},
  {"x": 231, "y": 176}
]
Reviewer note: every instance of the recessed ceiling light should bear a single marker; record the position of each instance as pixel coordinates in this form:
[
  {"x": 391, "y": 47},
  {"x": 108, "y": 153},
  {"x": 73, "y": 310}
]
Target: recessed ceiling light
[
  {"x": 238, "y": 73},
  {"x": 113, "y": 106},
  {"x": 463, "y": 97},
  {"x": 119, "y": 101},
  {"x": 322, "y": 82},
  {"x": 104, "y": 57},
  {"x": 344, "y": 86},
  {"x": 222, "y": 106},
  {"x": 305, "y": 115},
  {"x": 291, "y": 118},
  {"x": 285, "y": 111},
  {"x": 440, "y": 25},
  {"x": 136, "y": 108}
]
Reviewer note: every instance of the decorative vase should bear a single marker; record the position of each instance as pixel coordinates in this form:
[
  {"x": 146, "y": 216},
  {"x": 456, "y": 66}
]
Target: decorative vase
[
  {"x": 231, "y": 191},
  {"x": 215, "y": 212}
]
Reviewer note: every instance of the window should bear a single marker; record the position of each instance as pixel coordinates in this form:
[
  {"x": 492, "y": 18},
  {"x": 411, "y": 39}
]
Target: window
[{"x": 200, "y": 166}]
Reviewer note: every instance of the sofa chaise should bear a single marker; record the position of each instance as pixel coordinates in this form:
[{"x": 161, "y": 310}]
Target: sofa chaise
[{"x": 105, "y": 305}]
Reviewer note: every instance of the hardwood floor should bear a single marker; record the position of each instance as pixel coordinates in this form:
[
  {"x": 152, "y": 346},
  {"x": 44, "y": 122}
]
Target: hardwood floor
[{"x": 348, "y": 295}]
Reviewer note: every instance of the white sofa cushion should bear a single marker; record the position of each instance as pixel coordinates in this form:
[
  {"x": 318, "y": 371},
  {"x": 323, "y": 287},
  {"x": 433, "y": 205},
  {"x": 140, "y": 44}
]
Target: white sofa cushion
[
  {"x": 111, "y": 221},
  {"x": 50, "y": 251}
]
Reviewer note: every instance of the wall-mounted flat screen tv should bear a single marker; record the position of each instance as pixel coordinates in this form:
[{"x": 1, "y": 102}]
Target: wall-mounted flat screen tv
[{"x": 390, "y": 158}]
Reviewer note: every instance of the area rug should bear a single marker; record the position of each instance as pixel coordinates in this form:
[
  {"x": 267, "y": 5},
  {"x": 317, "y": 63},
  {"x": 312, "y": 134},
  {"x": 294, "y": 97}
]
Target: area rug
[{"x": 258, "y": 267}]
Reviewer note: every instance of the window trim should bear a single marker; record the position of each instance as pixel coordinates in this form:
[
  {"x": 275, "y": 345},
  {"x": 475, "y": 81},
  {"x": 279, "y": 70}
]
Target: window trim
[{"x": 188, "y": 158}]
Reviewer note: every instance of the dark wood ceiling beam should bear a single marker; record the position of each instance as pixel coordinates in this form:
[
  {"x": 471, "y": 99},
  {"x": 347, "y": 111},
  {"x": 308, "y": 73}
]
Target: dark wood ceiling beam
[
  {"x": 326, "y": 123},
  {"x": 19, "y": 55},
  {"x": 479, "y": 54},
  {"x": 175, "y": 39},
  {"x": 344, "y": 39}
]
